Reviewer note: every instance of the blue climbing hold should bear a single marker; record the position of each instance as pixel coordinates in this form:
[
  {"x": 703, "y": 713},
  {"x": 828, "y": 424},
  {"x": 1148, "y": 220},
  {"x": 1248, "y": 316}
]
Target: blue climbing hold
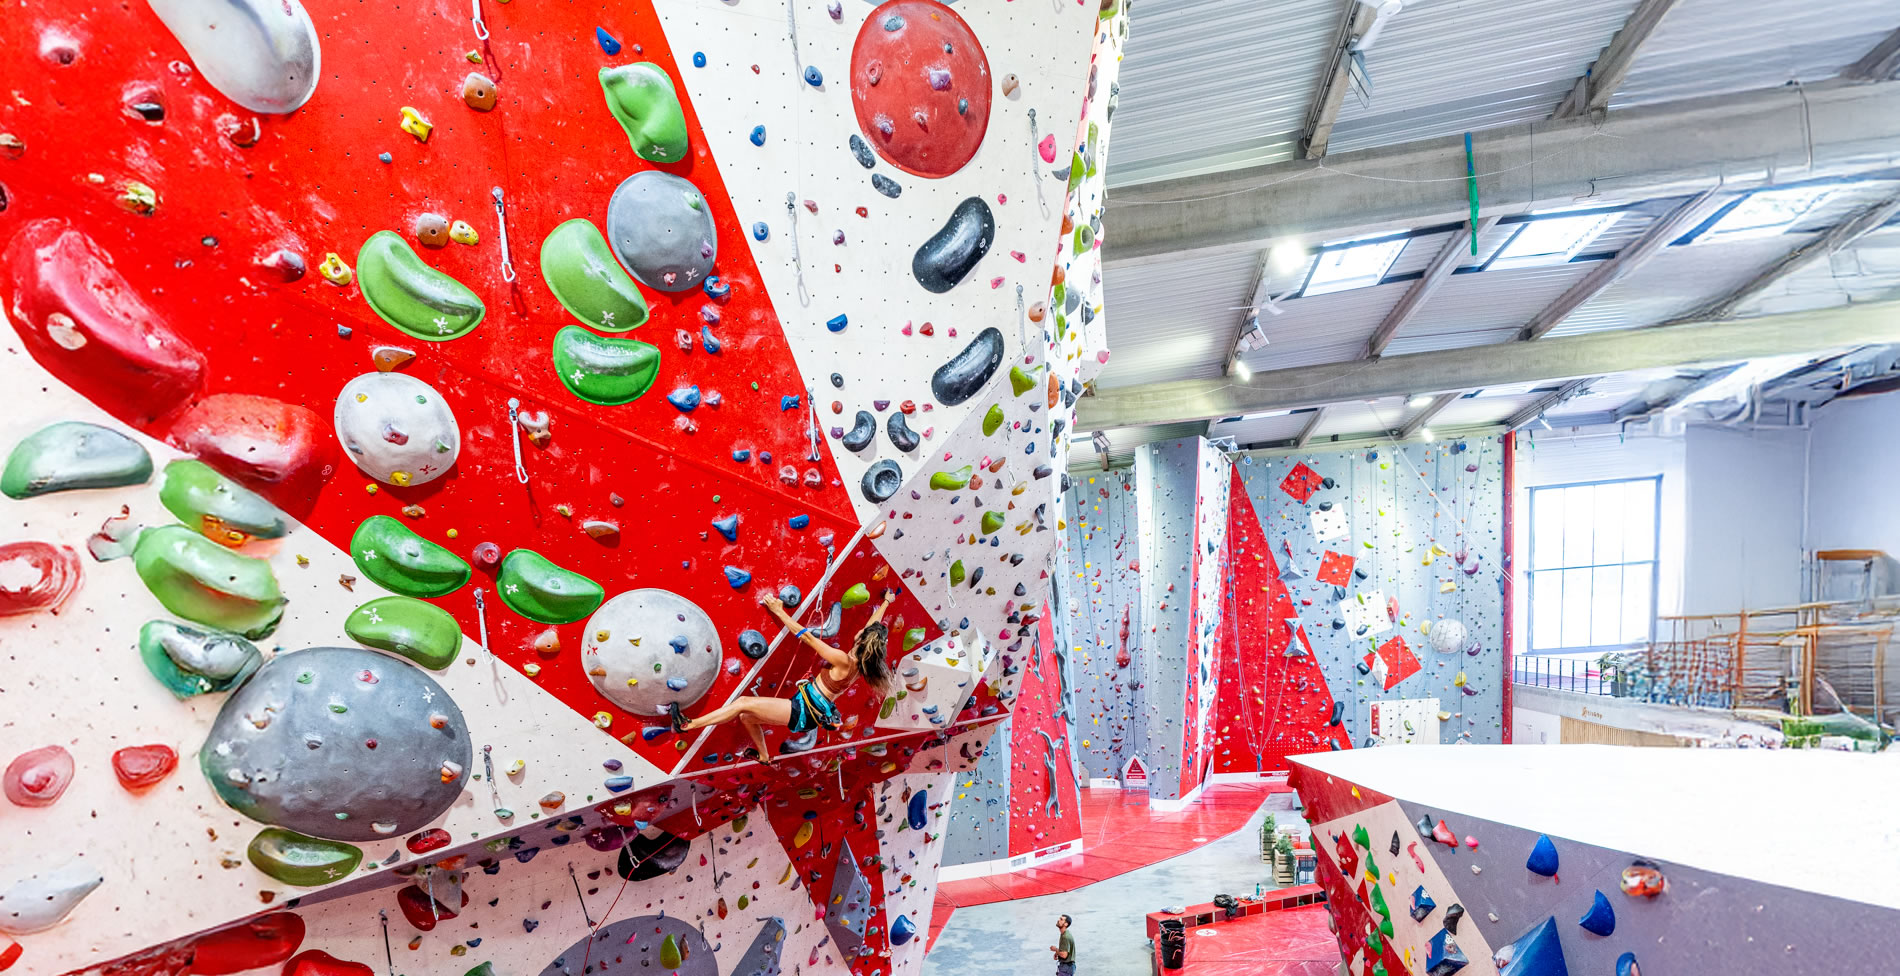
[
  {"x": 765, "y": 457},
  {"x": 1537, "y": 953},
  {"x": 1543, "y": 859},
  {"x": 706, "y": 338},
  {"x": 679, "y": 643},
  {"x": 525, "y": 855},
  {"x": 686, "y": 398},
  {"x": 737, "y": 577},
  {"x": 608, "y": 42},
  {"x": 760, "y": 231},
  {"x": 676, "y": 683},
  {"x": 1422, "y": 904},
  {"x": 813, "y": 76},
  {"x": 742, "y": 455},
  {"x": 1601, "y": 918},
  {"x": 836, "y": 323},
  {"x": 788, "y": 403},
  {"x": 758, "y": 135},
  {"x": 728, "y": 527},
  {"x": 1626, "y": 965},
  {"x": 798, "y": 521},
  {"x": 652, "y": 732},
  {"x": 612, "y": 765},
  {"x": 699, "y": 59},
  {"x": 716, "y": 287},
  {"x": 902, "y": 930},
  {"x": 919, "y": 810},
  {"x": 618, "y": 784},
  {"x": 385, "y": 157},
  {"x": 1442, "y": 956}
]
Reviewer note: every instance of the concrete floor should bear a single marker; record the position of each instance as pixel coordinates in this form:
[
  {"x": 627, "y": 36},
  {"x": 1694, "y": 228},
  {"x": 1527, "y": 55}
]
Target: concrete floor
[{"x": 1013, "y": 937}]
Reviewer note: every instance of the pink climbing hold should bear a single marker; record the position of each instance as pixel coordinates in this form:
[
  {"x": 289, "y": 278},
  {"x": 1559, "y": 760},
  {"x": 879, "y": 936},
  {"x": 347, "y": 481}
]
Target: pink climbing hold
[
  {"x": 1443, "y": 835},
  {"x": 141, "y": 767},
  {"x": 37, "y": 777},
  {"x": 1047, "y": 147},
  {"x": 35, "y": 576}
]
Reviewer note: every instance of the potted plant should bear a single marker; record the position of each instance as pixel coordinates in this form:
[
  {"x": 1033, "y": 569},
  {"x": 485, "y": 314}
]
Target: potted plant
[
  {"x": 1268, "y": 828},
  {"x": 1283, "y": 868}
]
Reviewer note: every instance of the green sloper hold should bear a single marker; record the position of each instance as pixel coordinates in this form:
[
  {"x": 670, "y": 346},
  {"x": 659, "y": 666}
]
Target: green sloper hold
[
  {"x": 1360, "y": 837},
  {"x": 541, "y": 591},
  {"x": 588, "y": 281},
  {"x": 302, "y": 860},
  {"x": 858, "y": 595},
  {"x": 65, "y": 456},
  {"x": 412, "y": 296},
  {"x": 642, "y": 98},
  {"x": 912, "y": 638},
  {"x": 482, "y": 969},
  {"x": 422, "y": 632},
  {"x": 204, "y": 582},
  {"x": 670, "y": 957},
  {"x": 1020, "y": 381},
  {"x": 219, "y": 508},
  {"x": 403, "y": 562},
  {"x": 603, "y": 370},
  {"x": 993, "y": 421},
  {"x": 194, "y": 662},
  {"x": 956, "y": 573},
  {"x": 885, "y": 711},
  {"x": 951, "y": 480},
  {"x": 992, "y": 521}
]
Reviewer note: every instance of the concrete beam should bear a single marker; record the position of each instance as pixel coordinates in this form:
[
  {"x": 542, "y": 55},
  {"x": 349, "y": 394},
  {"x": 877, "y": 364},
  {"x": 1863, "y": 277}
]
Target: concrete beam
[
  {"x": 1324, "y": 112},
  {"x": 1595, "y": 88},
  {"x": 1878, "y": 64},
  {"x": 1425, "y": 414},
  {"x": 1312, "y": 427},
  {"x": 1415, "y": 297},
  {"x": 1536, "y": 408},
  {"x": 1863, "y": 222},
  {"x": 1594, "y": 354},
  {"x": 1740, "y": 141},
  {"x": 1674, "y": 224}
]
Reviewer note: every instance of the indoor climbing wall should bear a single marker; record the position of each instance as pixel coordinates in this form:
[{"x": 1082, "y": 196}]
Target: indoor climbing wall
[
  {"x": 420, "y": 406},
  {"x": 1393, "y": 561},
  {"x": 1271, "y": 695},
  {"x": 1204, "y": 641},
  {"x": 1044, "y": 805},
  {"x": 979, "y": 809},
  {"x": 1103, "y": 595}
]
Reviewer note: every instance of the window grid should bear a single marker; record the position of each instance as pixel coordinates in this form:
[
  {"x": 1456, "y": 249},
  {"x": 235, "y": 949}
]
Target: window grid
[{"x": 1593, "y": 555}]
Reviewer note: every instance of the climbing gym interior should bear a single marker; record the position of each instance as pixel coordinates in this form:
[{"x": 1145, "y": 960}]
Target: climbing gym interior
[{"x": 756, "y": 488}]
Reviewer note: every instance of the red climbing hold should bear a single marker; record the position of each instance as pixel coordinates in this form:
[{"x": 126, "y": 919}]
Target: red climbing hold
[
  {"x": 283, "y": 451},
  {"x": 1443, "y": 835},
  {"x": 35, "y": 576},
  {"x": 316, "y": 962},
  {"x": 10, "y": 955},
  {"x": 87, "y": 326},
  {"x": 37, "y": 777},
  {"x": 433, "y": 839},
  {"x": 141, "y": 767},
  {"x": 921, "y": 86},
  {"x": 254, "y": 944},
  {"x": 423, "y": 911}
]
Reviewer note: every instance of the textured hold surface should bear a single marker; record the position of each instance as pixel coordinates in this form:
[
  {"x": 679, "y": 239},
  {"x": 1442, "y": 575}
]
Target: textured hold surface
[
  {"x": 220, "y": 509},
  {"x": 42, "y": 899},
  {"x": 849, "y": 916},
  {"x": 537, "y": 589},
  {"x": 88, "y": 327},
  {"x": 943, "y": 261},
  {"x": 261, "y": 54},
  {"x": 640, "y": 937},
  {"x": 662, "y": 229},
  {"x": 920, "y": 85},
  {"x": 350, "y": 747},
  {"x": 403, "y": 562},
  {"x": 411, "y": 295},
  {"x": 37, "y": 777},
  {"x": 586, "y": 279},
  {"x": 642, "y": 99},
  {"x": 647, "y": 648},
  {"x": 193, "y": 662},
  {"x": 1543, "y": 859},
  {"x": 206, "y": 583},
  {"x": 863, "y": 431},
  {"x": 35, "y": 576},
  {"x": 1601, "y": 918},
  {"x": 66, "y": 456},
  {"x": 282, "y": 451},
  {"x": 302, "y": 860},
  {"x": 965, "y": 375},
  {"x": 902, "y": 437},
  {"x": 141, "y": 767},
  {"x": 604, "y": 370},
  {"x": 422, "y": 632},
  {"x": 316, "y": 962},
  {"x": 882, "y": 480},
  {"x": 397, "y": 429},
  {"x": 762, "y": 956},
  {"x": 255, "y": 944}
]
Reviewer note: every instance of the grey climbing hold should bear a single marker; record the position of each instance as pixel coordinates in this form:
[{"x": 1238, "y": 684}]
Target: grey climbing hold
[
  {"x": 261, "y": 54},
  {"x": 902, "y": 436},
  {"x": 862, "y": 152},
  {"x": 862, "y": 431},
  {"x": 762, "y": 958},
  {"x": 752, "y": 644},
  {"x": 71, "y": 455},
  {"x": 965, "y": 375},
  {"x": 635, "y": 676},
  {"x": 882, "y": 479},
  {"x": 42, "y": 899},
  {"x": 885, "y": 185},
  {"x": 662, "y": 230},
  {"x": 953, "y": 252}
]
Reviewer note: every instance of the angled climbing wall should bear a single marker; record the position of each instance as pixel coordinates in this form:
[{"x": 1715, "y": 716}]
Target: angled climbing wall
[
  {"x": 1392, "y": 559},
  {"x": 1102, "y": 593},
  {"x": 414, "y": 409}
]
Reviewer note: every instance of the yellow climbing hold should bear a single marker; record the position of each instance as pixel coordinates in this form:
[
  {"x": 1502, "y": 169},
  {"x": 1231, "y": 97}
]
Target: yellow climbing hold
[
  {"x": 803, "y": 835},
  {"x": 334, "y": 270},
  {"x": 414, "y": 124}
]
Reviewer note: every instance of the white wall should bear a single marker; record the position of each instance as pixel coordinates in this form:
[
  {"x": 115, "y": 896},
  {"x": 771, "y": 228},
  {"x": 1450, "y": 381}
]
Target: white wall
[
  {"x": 1854, "y": 488},
  {"x": 1744, "y": 510}
]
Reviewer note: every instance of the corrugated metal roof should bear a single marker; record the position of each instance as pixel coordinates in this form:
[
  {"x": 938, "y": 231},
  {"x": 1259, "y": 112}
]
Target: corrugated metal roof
[
  {"x": 1713, "y": 47},
  {"x": 1174, "y": 317},
  {"x": 1262, "y": 430},
  {"x": 1449, "y": 66},
  {"x": 1122, "y": 443},
  {"x": 1362, "y": 417},
  {"x": 1208, "y": 85},
  {"x": 1324, "y": 328},
  {"x": 1473, "y": 411},
  {"x": 1485, "y": 307}
]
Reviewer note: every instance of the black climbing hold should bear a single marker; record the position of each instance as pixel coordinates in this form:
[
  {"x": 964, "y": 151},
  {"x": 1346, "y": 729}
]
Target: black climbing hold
[
  {"x": 645, "y": 858},
  {"x": 1065, "y": 481},
  {"x": 790, "y": 595},
  {"x": 1360, "y": 573},
  {"x": 859, "y": 436},
  {"x": 1325, "y": 506},
  {"x": 952, "y": 253},
  {"x": 1043, "y": 471},
  {"x": 885, "y": 185},
  {"x": 1328, "y": 483},
  {"x": 1453, "y": 915},
  {"x": 1394, "y": 847},
  {"x": 1021, "y": 590},
  {"x": 901, "y": 435},
  {"x": 1339, "y": 711},
  {"x": 862, "y": 152},
  {"x": 752, "y": 643},
  {"x": 837, "y": 380},
  {"x": 882, "y": 480},
  {"x": 965, "y": 375},
  {"x": 976, "y": 576}
]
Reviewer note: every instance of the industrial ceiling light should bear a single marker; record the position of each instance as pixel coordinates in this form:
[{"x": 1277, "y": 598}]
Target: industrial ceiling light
[
  {"x": 1286, "y": 256},
  {"x": 1425, "y": 434},
  {"x": 1419, "y": 400},
  {"x": 1242, "y": 370}
]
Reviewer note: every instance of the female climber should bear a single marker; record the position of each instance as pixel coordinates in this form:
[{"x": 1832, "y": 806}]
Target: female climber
[{"x": 811, "y": 706}]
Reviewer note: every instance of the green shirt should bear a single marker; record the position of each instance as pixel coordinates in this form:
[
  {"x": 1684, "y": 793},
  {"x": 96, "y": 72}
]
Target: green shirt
[{"x": 1067, "y": 945}]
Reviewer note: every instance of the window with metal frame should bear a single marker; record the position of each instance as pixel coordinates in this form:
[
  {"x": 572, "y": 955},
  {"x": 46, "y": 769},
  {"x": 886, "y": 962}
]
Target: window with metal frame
[{"x": 1592, "y": 565}]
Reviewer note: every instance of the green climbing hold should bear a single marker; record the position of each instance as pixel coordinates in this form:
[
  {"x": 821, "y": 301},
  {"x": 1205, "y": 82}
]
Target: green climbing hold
[
  {"x": 403, "y": 562},
  {"x": 194, "y": 662},
  {"x": 70, "y": 455},
  {"x": 744, "y": 900},
  {"x": 541, "y": 591},
  {"x": 951, "y": 480},
  {"x": 913, "y": 637},
  {"x": 992, "y": 521},
  {"x": 484, "y": 969},
  {"x": 956, "y": 573},
  {"x": 204, "y": 582},
  {"x": 220, "y": 509},
  {"x": 993, "y": 420},
  {"x": 1020, "y": 381},
  {"x": 422, "y": 632},
  {"x": 412, "y": 296},
  {"x": 604, "y": 370},
  {"x": 302, "y": 860},
  {"x": 1360, "y": 837},
  {"x": 588, "y": 281},
  {"x": 1084, "y": 238},
  {"x": 670, "y": 956},
  {"x": 890, "y": 706},
  {"x": 643, "y": 99},
  {"x": 858, "y": 595}
]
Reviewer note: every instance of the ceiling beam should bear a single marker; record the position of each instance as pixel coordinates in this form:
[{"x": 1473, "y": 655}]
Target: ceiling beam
[
  {"x": 1425, "y": 414},
  {"x": 1536, "y": 408},
  {"x": 1593, "y": 354},
  {"x": 1436, "y": 273},
  {"x": 1672, "y": 225},
  {"x": 1311, "y": 428},
  {"x": 1324, "y": 111},
  {"x": 1741, "y": 140},
  {"x": 1595, "y": 89},
  {"x": 1863, "y": 222},
  {"x": 1878, "y": 64}
]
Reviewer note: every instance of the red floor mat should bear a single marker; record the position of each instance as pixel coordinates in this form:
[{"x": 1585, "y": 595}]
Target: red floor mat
[{"x": 1293, "y": 942}]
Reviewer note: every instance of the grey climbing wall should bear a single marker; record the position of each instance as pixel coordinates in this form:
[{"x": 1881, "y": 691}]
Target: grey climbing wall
[
  {"x": 1422, "y": 525},
  {"x": 979, "y": 808},
  {"x": 1102, "y": 611},
  {"x": 1168, "y": 477}
]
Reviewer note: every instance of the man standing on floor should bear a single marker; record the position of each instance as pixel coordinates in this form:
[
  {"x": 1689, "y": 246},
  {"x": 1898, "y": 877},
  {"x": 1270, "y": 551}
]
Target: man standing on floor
[{"x": 1064, "y": 949}]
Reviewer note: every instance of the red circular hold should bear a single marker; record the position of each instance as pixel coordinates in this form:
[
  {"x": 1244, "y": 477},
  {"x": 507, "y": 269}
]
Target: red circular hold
[
  {"x": 35, "y": 576},
  {"x": 921, "y": 87},
  {"x": 37, "y": 777},
  {"x": 141, "y": 767}
]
